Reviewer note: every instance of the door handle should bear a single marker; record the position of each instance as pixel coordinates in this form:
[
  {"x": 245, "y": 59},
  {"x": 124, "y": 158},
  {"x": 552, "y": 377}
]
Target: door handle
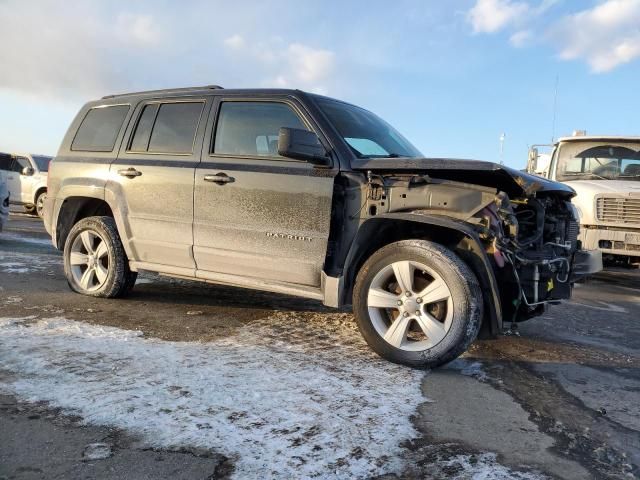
[
  {"x": 219, "y": 178},
  {"x": 129, "y": 172}
]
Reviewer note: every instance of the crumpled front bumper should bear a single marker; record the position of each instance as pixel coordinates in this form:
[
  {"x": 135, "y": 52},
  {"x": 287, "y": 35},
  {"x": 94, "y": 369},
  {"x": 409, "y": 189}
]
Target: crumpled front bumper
[{"x": 586, "y": 262}]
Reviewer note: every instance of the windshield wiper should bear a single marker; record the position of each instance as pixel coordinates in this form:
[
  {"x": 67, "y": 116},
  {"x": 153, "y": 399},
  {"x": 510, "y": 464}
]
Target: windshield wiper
[
  {"x": 587, "y": 174},
  {"x": 389, "y": 155}
]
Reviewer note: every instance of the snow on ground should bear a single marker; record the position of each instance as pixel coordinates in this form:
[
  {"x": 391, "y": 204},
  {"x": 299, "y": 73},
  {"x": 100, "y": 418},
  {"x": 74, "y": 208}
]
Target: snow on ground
[
  {"x": 318, "y": 405},
  {"x": 482, "y": 466},
  {"x": 25, "y": 239},
  {"x": 287, "y": 397},
  {"x": 12, "y": 262}
]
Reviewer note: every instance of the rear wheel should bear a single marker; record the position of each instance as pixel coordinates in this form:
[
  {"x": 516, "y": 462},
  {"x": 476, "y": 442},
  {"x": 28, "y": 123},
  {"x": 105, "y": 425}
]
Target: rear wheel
[
  {"x": 417, "y": 303},
  {"x": 39, "y": 205},
  {"x": 94, "y": 259}
]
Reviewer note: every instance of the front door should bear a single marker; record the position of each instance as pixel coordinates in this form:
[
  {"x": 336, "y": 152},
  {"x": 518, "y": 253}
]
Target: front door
[
  {"x": 258, "y": 214},
  {"x": 17, "y": 182},
  {"x": 153, "y": 180}
]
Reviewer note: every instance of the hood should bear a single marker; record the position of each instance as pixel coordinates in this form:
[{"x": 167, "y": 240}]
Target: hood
[
  {"x": 513, "y": 182},
  {"x": 595, "y": 187}
]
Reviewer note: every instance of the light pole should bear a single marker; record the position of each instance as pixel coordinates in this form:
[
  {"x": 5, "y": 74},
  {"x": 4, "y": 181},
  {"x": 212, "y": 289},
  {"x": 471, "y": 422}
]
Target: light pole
[{"x": 502, "y": 137}]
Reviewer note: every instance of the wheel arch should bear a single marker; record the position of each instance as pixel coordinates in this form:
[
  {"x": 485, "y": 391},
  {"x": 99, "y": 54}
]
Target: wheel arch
[
  {"x": 454, "y": 234},
  {"x": 39, "y": 190}
]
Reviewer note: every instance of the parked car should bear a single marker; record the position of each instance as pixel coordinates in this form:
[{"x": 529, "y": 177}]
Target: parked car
[
  {"x": 27, "y": 179},
  {"x": 605, "y": 173},
  {"x": 4, "y": 198},
  {"x": 295, "y": 193}
]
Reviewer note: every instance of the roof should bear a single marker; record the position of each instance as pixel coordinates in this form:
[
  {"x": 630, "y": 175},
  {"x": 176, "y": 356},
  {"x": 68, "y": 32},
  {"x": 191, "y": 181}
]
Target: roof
[
  {"x": 597, "y": 138},
  {"x": 206, "y": 89}
]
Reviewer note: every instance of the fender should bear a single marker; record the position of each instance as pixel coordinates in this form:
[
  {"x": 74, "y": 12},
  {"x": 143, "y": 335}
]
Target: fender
[
  {"x": 69, "y": 188},
  {"x": 88, "y": 188},
  {"x": 455, "y": 234}
]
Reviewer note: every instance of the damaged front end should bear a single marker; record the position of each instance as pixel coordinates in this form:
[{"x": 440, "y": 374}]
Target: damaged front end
[
  {"x": 533, "y": 242},
  {"x": 528, "y": 229}
]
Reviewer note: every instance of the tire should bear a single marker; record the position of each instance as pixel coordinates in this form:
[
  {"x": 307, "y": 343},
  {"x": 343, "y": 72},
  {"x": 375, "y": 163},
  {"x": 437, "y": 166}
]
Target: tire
[
  {"x": 95, "y": 262},
  {"x": 39, "y": 203},
  {"x": 443, "y": 291}
]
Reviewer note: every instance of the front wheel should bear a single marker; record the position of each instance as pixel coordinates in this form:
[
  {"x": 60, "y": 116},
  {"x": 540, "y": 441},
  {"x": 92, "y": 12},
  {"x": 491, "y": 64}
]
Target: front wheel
[
  {"x": 95, "y": 263},
  {"x": 417, "y": 303}
]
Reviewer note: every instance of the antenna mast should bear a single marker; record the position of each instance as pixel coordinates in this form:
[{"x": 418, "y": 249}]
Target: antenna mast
[{"x": 555, "y": 106}]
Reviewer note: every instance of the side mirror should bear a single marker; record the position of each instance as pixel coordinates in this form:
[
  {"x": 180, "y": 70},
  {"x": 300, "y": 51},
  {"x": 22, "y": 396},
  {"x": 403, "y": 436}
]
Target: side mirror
[
  {"x": 28, "y": 171},
  {"x": 301, "y": 145}
]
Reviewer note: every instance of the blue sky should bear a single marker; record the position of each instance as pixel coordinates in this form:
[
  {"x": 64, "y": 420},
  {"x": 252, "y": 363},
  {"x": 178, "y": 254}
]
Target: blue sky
[{"x": 452, "y": 76}]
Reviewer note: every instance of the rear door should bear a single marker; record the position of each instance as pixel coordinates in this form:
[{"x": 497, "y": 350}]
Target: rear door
[
  {"x": 258, "y": 214},
  {"x": 153, "y": 180},
  {"x": 26, "y": 181}
]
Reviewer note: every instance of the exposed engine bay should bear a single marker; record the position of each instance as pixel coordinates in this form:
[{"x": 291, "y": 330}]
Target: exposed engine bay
[{"x": 532, "y": 241}]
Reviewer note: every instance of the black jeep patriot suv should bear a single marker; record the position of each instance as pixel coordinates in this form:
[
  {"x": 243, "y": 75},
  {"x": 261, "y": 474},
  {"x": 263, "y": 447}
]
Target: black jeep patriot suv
[{"x": 289, "y": 192}]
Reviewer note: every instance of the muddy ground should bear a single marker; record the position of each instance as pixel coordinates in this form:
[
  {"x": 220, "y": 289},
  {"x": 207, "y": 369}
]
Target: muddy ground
[{"x": 558, "y": 399}]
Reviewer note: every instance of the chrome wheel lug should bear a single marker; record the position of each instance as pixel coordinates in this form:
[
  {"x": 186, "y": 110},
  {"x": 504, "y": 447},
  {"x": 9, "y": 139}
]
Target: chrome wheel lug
[
  {"x": 406, "y": 314},
  {"x": 417, "y": 312},
  {"x": 399, "y": 303},
  {"x": 408, "y": 294},
  {"x": 418, "y": 300}
]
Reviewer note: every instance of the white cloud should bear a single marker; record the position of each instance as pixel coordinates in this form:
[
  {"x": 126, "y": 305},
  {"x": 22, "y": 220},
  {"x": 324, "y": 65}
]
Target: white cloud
[
  {"x": 605, "y": 36},
  {"x": 234, "y": 42},
  {"x": 139, "y": 29},
  {"x": 521, "y": 38},
  {"x": 488, "y": 16},
  {"x": 310, "y": 65},
  {"x": 286, "y": 65},
  {"x": 71, "y": 50}
]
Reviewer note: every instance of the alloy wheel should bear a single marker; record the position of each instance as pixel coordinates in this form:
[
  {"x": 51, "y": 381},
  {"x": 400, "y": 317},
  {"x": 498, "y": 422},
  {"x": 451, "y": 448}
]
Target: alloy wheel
[
  {"x": 89, "y": 260},
  {"x": 410, "y": 305}
]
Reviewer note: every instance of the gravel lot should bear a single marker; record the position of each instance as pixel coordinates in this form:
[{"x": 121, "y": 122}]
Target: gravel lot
[{"x": 189, "y": 380}]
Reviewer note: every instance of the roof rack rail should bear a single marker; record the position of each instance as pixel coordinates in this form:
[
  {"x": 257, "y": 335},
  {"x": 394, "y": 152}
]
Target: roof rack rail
[{"x": 166, "y": 90}]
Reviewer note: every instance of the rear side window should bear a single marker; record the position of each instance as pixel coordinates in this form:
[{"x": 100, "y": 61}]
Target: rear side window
[
  {"x": 167, "y": 128},
  {"x": 5, "y": 161},
  {"x": 251, "y": 128},
  {"x": 99, "y": 129}
]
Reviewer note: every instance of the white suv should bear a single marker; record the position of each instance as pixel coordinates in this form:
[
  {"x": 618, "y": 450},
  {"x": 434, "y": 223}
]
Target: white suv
[
  {"x": 4, "y": 199},
  {"x": 26, "y": 176}
]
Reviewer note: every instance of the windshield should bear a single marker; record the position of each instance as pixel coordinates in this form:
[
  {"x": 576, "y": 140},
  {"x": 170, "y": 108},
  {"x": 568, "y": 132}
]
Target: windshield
[
  {"x": 599, "y": 160},
  {"x": 42, "y": 161},
  {"x": 367, "y": 134}
]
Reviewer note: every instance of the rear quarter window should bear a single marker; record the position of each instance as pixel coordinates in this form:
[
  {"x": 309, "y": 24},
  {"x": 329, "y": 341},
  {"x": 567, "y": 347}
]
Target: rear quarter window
[{"x": 99, "y": 129}]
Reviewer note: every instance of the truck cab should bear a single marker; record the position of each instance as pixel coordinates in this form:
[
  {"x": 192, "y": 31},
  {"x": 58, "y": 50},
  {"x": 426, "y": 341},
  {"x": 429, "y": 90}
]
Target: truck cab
[{"x": 604, "y": 171}]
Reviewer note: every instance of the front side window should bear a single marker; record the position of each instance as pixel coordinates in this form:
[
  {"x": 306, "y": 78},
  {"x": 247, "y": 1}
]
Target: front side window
[
  {"x": 599, "y": 161},
  {"x": 367, "y": 135},
  {"x": 19, "y": 163},
  {"x": 252, "y": 128},
  {"x": 99, "y": 129},
  {"x": 167, "y": 128}
]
